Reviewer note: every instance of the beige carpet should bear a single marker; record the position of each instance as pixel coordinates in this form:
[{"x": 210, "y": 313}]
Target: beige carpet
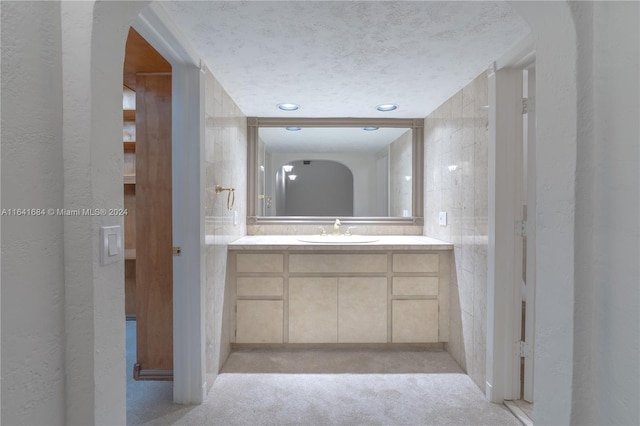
[{"x": 325, "y": 387}]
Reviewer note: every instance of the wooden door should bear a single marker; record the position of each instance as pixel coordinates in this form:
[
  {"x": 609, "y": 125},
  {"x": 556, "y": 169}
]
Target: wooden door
[{"x": 154, "y": 257}]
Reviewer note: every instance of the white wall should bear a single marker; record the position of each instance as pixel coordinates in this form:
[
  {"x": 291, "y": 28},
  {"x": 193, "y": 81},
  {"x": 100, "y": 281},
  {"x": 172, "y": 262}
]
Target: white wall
[
  {"x": 556, "y": 140},
  {"x": 74, "y": 306},
  {"x": 32, "y": 381},
  {"x": 607, "y": 328}
]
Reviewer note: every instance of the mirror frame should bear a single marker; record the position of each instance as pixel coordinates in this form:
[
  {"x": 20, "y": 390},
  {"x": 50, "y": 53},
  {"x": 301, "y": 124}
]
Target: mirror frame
[{"x": 415, "y": 124}]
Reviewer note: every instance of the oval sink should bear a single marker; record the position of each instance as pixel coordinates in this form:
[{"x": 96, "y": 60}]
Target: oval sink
[{"x": 337, "y": 239}]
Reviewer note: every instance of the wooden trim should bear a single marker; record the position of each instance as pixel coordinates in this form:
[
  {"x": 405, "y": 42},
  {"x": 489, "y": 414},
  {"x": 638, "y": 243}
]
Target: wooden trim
[{"x": 140, "y": 374}]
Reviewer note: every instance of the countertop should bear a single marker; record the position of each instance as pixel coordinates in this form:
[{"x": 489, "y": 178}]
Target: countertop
[{"x": 383, "y": 242}]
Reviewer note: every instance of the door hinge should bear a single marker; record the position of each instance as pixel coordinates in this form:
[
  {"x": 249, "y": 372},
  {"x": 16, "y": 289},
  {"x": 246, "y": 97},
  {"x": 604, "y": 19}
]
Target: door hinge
[
  {"x": 523, "y": 228},
  {"x": 525, "y": 105},
  {"x": 177, "y": 251},
  {"x": 523, "y": 349}
]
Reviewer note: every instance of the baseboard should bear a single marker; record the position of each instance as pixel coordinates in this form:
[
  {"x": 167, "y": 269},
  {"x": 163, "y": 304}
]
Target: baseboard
[
  {"x": 147, "y": 374},
  {"x": 517, "y": 411}
]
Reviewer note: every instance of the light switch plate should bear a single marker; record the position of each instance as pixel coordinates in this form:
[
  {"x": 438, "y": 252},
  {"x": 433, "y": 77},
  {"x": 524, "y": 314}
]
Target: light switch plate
[
  {"x": 442, "y": 218},
  {"x": 110, "y": 244}
]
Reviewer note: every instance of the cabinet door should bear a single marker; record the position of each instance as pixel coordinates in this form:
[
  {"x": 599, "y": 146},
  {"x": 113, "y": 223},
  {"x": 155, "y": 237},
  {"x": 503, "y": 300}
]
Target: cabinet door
[
  {"x": 259, "y": 321},
  {"x": 362, "y": 310},
  {"x": 313, "y": 310},
  {"x": 414, "y": 321}
]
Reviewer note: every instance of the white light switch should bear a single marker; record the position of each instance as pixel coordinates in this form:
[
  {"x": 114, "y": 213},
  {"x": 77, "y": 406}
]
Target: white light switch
[
  {"x": 113, "y": 245},
  {"x": 442, "y": 219},
  {"x": 110, "y": 244}
]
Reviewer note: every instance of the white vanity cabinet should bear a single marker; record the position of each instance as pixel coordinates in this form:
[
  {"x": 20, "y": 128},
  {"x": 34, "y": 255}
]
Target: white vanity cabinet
[
  {"x": 260, "y": 305},
  {"x": 318, "y": 295},
  {"x": 313, "y": 310}
]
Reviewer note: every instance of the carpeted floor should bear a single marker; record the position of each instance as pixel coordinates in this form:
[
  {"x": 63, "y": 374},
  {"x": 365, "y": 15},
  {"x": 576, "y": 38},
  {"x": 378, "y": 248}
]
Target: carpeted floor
[{"x": 323, "y": 387}]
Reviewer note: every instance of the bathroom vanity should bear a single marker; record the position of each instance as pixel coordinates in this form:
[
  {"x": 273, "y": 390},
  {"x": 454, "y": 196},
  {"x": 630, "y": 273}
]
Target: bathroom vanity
[{"x": 392, "y": 290}]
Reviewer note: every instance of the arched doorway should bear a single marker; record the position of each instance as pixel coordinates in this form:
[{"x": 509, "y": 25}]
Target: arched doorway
[{"x": 555, "y": 42}]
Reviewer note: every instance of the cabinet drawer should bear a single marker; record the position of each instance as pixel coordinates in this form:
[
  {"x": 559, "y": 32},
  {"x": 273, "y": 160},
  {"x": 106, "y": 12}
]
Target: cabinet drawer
[
  {"x": 260, "y": 262},
  {"x": 415, "y": 286},
  {"x": 338, "y": 263},
  {"x": 259, "y": 286},
  {"x": 415, "y": 262}
]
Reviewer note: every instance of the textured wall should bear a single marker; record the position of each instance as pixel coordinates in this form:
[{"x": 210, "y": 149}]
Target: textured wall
[
  {"x": 607, "y": 321},
  {"x": 456, "y": 182},
  {"x": 32, "y": 247},
  {"x": 226, "y": 165}
]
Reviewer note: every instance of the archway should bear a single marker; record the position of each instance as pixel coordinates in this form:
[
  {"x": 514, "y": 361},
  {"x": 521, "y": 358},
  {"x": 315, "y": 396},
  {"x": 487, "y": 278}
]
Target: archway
[{"x": 98, "y": 122}]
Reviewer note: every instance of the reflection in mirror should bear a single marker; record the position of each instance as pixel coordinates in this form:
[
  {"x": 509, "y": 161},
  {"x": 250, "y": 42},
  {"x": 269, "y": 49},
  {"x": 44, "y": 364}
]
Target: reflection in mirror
[
  {"x": 312, "y": 188},
  {"x": 335, "y": 168},
  {"x": 335, "y": 172}
]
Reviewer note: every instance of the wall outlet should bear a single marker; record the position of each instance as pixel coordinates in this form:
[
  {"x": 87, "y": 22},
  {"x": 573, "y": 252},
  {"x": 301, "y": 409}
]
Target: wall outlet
[{"x": 442, "y": 219}]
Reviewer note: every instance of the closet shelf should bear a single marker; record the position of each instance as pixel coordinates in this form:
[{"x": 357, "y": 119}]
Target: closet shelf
[
  {"x": 129, "y": 146},
  {"x": 129, "y": 254},
  {"x": 129, "y": 114},
  {"x": 129, "y": 179}
]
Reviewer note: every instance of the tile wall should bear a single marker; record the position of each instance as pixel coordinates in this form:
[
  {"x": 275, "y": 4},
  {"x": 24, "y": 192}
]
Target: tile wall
[
  {"x": 226, "y": 165},
  {"x": 456, "y": 182}
]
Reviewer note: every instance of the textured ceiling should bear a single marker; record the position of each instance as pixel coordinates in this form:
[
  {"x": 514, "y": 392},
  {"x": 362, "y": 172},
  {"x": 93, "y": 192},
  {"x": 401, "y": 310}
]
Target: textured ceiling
[{"x": 341, "y": 59}]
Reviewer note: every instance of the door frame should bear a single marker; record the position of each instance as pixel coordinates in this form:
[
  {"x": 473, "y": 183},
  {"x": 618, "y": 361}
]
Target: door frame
[
  {"x": 530, "y": 230},
  {"x": 504, "y": 257},
  {"x": 189, "y": 363}
]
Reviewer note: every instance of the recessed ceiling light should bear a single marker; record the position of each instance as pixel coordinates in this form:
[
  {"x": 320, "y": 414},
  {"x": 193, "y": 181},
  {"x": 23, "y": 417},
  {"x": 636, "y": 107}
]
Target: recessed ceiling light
[
  {"x": 387, "y": 107},
  {"x": 370, "y": 129},
  {"x": 293, "y": 129},
  {"x": 287, "y": 167},
  {"x": 288, "y": 107},
  {"x": 292, "y": 177}
]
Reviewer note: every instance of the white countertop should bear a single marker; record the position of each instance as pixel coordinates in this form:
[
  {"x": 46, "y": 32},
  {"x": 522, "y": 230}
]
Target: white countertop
[{"x": 383, "y": 242}]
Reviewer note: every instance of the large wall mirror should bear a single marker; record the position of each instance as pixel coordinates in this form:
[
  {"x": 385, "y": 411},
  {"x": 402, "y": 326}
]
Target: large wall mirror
[{"x": 306, "y": 170}]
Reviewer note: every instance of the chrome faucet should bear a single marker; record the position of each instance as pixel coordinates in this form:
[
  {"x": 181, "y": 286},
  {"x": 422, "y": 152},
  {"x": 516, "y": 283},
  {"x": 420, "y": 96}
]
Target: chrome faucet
[{"x": 336, "y": 227}]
